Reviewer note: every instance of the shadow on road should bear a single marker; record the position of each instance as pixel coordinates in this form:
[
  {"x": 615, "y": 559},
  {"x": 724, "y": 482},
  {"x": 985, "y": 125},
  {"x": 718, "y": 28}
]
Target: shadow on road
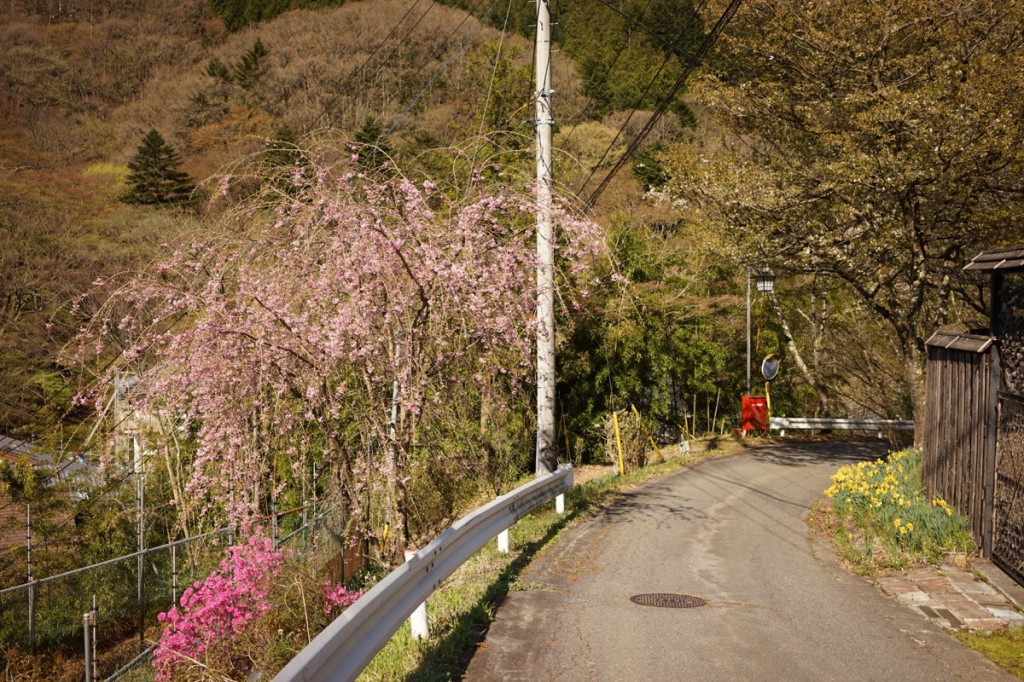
[
  {"x": 800, "y": 454},
  {"x": 654, "y": 501}
]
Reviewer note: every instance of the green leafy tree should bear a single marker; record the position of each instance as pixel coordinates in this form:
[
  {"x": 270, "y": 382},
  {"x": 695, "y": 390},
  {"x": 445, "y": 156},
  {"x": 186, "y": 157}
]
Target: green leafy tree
[
  {"x": 630, "y": 56},
  {"x": 648, "y": 169},
  {"x": 875, "y": 145},
  {"x": 662, "y": 336},
  {"x": 155, "y": 177}
]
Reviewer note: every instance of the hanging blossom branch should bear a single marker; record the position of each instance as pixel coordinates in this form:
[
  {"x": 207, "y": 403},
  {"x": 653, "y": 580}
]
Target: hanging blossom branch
[{"x": 278, "y": 333}]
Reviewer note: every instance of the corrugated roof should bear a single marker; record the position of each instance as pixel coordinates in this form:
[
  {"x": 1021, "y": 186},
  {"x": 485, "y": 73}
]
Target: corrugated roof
[
  {"x": 1010, "y": 258},
  {"x": 970, "y": 343},
  {"x": 14, "y": 447}
]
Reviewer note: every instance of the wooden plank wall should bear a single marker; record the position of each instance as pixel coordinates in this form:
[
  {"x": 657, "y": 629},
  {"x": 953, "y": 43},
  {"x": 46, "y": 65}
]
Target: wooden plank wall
[{"x": 956, "y": 452}]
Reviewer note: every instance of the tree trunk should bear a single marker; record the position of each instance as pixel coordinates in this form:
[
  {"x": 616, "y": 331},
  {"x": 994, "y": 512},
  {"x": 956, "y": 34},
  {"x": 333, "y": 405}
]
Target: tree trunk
[
  {"x": 794, "y": 353},
  {"x": 914, "y": 376}
]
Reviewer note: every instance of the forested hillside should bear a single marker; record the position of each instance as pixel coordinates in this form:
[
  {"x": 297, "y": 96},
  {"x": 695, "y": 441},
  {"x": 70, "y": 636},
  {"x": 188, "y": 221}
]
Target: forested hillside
[
  {"x": 82, "y": 83},
  {"x": 136, "y": 132},
  {"x": 283, "y": 249},
  {"x": 220, "y": 82}
]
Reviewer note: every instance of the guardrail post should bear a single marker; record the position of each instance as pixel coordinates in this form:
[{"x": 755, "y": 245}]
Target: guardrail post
[
  {"x": 350, "y": 642},
  {"x": 418, "y": 620},
  {"x": 503, "y": 541}
]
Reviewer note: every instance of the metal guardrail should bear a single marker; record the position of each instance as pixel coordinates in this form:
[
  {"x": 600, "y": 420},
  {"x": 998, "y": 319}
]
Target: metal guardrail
[
  {"x": 780, "y": 424},
  {"x": 348, "y": 644}
]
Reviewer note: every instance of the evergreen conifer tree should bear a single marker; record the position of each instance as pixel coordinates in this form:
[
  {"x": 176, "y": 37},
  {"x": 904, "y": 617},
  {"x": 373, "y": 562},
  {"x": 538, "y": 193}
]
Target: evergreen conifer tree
[
  {"x": 371, "y": 145},
  {"x": 252, "y": 65},
  {"x": 154, "y": 177},
  {"x": 219, "y": 70}
]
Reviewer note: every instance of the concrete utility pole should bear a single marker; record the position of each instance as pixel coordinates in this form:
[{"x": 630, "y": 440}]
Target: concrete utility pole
[
  {"x": 547, "y": 460},
  {"x": 749, "y": 272}
]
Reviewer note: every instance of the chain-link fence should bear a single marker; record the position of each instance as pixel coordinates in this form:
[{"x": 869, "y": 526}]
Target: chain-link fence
[{"x": 100, "y": 621}]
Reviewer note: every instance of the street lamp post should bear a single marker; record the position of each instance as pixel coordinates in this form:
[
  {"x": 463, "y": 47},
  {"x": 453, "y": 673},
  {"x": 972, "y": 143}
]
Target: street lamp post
[{"x": 765, "y": 282}]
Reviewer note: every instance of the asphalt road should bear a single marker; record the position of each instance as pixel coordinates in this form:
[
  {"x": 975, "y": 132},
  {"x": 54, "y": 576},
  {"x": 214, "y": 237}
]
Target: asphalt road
[{"x": 732, "y": 531}]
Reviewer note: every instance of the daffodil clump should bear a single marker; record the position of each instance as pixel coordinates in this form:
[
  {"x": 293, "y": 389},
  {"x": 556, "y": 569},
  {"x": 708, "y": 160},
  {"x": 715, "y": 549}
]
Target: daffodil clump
[{"x": 885, "y": 505}]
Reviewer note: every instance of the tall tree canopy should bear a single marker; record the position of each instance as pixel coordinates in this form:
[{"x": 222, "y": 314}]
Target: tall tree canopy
[{"x": 877, "y": 144}]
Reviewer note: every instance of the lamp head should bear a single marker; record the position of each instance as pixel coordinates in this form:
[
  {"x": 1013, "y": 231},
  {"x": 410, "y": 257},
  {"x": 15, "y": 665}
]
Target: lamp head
[{"x": 765, "y": 281}]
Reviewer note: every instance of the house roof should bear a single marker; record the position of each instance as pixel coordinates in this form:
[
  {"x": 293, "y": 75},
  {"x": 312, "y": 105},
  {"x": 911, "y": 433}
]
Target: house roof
[
  {"x": 14, "y": 449},
  {"x": 971, "y": 343},
  {"x": 1001, "y": 260}
]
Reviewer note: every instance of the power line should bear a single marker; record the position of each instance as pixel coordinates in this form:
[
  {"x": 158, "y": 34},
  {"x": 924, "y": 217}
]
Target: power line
[
  {"x": 444, "y": 66},
  {"x": 709, "y": 41},
  {"x": 637, "y": 23},
  {"x": 629, "y": 118},
  {"x": 611, "y": 68},
  {"x": 351, "y": 75},
  {"x": 636, "y": 106}
]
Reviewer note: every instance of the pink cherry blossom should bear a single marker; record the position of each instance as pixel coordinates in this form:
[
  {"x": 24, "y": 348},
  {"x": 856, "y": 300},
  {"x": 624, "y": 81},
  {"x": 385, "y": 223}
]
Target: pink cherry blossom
[{"x": 287, "y": 327}]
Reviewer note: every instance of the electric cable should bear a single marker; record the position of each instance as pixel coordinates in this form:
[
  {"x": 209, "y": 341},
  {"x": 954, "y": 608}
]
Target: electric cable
[
  {"x": 636, "y": 107},
  {"x": 444, "y": 66},
  {"x": 348, "y": 78},
  {"x": 611, "y": 69},
  {"x": 490, "y": 84},
  {"x": 709, "y": 41}
]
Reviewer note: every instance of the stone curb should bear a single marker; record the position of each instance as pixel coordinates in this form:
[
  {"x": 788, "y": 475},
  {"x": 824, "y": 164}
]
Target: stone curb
[{"x": 954, "y": 598}]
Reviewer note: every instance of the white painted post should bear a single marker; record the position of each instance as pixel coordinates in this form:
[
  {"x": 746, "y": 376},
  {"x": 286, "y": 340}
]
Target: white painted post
[
  {"x": 560, "y": 504},
  {"x": 418, "y": 619},
  {"x": 503, "y": 541}
]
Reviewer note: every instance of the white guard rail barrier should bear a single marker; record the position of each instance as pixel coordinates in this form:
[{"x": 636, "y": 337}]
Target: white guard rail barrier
[
  {"x": 349, "y": 643},
  {"x": 780, "y": 424}
]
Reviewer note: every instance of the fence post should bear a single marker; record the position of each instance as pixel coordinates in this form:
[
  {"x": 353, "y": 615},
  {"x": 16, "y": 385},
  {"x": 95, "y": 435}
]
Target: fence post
[
  {"x": 95, "y": 637},
  {"x": 274, "y": 534},
  {"x": 31, "y": 615},
  {"x": 305, "y": 509},
  {"x": 31, "y": 580},
  {"x": 174, "y": 575},
  {"x": 87, "y": 620},
  {"x": 140, "y": 500}
]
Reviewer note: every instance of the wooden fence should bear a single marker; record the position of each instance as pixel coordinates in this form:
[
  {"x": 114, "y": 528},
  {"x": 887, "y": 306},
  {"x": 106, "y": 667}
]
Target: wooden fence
[{"x": 960, "y": 427}]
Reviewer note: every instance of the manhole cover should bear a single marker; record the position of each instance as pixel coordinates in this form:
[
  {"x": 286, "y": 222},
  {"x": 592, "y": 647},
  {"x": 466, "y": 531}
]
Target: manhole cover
[{"x": 668, "y": 601}]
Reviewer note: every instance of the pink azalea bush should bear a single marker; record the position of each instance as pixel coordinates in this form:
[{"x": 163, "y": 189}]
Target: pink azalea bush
[
  {"x": 337, "y": 597},
  {"x": 214, "y": 613}
]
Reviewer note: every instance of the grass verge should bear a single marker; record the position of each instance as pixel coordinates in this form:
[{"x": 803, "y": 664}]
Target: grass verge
[
  {"x": 462, "y": 609},
  {"x": 1005, "y": 648}
]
